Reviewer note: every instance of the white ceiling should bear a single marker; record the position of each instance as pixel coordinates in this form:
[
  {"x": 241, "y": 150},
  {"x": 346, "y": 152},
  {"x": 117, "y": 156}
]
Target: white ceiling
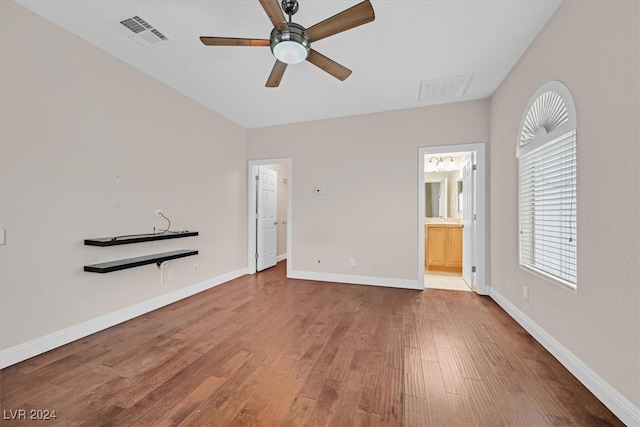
[{"x": 409, "y": 41}]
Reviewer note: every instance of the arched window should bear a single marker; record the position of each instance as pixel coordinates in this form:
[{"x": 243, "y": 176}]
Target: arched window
[{"x": 547, "y": 184}]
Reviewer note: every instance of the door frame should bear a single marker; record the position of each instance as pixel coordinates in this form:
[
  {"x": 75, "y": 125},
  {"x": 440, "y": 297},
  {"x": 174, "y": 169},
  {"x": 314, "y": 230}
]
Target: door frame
[
  {"x": 479, "y": 241},
  {"x": 252, "y": 205}
]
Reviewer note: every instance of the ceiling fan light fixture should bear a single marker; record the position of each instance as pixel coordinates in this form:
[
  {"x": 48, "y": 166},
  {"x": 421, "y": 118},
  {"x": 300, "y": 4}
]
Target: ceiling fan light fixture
[
  {"x": 290, "y": 52},
  {"x": 290, "y": 45}
]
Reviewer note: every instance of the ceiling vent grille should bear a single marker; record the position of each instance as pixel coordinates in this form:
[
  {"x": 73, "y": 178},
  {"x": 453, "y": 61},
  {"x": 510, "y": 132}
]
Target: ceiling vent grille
[
  {"x": 141, "y": 31},
  {"x": 445, "y": 88}
]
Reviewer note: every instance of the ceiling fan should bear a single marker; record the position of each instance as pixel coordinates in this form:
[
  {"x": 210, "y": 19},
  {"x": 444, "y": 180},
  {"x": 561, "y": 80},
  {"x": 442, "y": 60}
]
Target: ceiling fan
[{"x": 291, "y": 43}]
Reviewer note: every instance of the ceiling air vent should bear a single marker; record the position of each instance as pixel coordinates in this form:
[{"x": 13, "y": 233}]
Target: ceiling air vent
[
  {"x": 444, "y": 89},
  {"x": 140, "y": 31}
]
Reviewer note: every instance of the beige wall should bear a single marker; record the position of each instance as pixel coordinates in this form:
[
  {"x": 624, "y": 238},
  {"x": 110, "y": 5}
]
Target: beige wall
[
  {"x": 89, "y": 148},
  {"x": 368, "y": 168},
  {"x": 593, "y": 47}
]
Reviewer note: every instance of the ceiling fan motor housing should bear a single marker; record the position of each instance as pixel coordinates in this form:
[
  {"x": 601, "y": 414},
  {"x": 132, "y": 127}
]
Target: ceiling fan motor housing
[
  {"x": 290, "y": 7},
  {"x": 294, "y": 35}
]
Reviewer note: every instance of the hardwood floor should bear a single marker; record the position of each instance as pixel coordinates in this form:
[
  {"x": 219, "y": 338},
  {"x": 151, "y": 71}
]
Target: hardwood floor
[{"x": 269, "y": 351}]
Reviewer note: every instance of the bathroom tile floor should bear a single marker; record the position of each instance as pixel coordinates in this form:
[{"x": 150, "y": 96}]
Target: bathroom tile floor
[{"x": 444, "y": 280}]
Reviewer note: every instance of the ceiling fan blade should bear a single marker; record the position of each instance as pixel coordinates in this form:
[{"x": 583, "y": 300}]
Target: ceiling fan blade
[
  {"x": 345, "y": 20},
  {"x": 230, "y": 41},
  {"x": 276, "y": 74},
  {"x": 329, "y": 65},
  {"x": 274, "y": 13}
]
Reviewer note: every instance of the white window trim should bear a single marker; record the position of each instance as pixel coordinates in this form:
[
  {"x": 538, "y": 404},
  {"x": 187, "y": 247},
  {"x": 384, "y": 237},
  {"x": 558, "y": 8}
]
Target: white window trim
[{"x": 542, "y": 137}]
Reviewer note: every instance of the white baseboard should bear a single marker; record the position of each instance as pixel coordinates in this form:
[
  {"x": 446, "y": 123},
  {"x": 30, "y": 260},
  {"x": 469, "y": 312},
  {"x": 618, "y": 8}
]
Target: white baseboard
[
  {"x": 281, "y": 257},
  {"x": 610, "y": 397},
  {"x": 353, "y": 279},
  {"x": 18, "y": 353}
]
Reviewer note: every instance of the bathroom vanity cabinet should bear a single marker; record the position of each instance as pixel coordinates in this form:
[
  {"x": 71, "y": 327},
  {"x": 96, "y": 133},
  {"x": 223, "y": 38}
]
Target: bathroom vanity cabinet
[{"x": 443, "y": 247}]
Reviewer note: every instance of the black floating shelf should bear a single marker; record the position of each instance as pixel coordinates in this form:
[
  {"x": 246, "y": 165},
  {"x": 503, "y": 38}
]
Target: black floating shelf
[
  {"x": 124, "y": 240},
  {"x": 108, "y": 267}
]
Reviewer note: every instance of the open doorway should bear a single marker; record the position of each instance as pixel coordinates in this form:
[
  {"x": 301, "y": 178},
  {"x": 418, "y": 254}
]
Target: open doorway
[
  {"x": 451, "y": 217},
  {"x": 269, "y": 213},
  {"x": 444, "y": 232}
]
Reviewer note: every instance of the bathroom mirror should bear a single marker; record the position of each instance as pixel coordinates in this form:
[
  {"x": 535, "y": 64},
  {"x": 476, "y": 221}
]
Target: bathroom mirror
[{"x": 435, "y": 199}]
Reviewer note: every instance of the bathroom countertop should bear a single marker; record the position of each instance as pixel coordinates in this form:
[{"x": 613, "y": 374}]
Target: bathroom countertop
[{"x": 443, "y": 224}]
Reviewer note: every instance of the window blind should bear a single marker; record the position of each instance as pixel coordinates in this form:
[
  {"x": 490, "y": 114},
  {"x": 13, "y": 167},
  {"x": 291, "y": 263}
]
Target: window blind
[{"x": 547, "y": 198}]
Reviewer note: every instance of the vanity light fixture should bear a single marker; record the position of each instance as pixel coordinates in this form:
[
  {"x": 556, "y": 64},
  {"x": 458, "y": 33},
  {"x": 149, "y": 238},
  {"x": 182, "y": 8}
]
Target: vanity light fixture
[{"x": 440, "y": 164}]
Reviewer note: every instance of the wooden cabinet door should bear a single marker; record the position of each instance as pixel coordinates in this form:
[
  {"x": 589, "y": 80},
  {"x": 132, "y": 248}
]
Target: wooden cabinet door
[
  {"x": 437, "y": 247},
  {"x": 454, "y": 247}
]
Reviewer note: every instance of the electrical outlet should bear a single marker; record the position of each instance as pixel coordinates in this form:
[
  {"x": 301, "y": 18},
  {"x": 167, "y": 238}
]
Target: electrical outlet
[
  {"x": 170, "y": 275},
  {"x": 195, "y": 268},
  {"x": 352, "y": 262},
  {"x": 525, "y": 293}
]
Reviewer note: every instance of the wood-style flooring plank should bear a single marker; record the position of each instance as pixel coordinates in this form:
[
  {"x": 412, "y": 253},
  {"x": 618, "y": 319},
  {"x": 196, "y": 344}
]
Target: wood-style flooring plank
[
  {"x": 313, "y": 384},
  {"x": 366, "y": 419},
  {"x": 269, "y": 404},
  {"x": 416, "y": 412},
  {"x": 424, "y": 334},
  {"x": 382, "y": 394},
  {"x": 449, "y": 368},
  {"x": 437, "y": 400},
  {"x": 462, "y": 409},
  {"x": 145, "y": 382},
  {"x": 228, "y": 400},
  {"x": 299, "y": 412},
  {"x": 413, "y": 374},
  {"x": 264, "y": 350},
  {"x": 343, "y": 412},
  {"x": 483, "y": 404}
]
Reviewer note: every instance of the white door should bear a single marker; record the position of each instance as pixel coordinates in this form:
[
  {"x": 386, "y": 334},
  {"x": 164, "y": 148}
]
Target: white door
[
  {"x": 266, "y": 218},
  {"x": 468, "y": 220}
]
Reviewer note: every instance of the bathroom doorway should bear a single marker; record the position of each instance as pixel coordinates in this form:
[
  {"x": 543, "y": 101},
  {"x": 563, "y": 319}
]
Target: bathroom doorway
[
  {"x": 444, "y": 207},
  {"x": 451, "y": 235}
]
